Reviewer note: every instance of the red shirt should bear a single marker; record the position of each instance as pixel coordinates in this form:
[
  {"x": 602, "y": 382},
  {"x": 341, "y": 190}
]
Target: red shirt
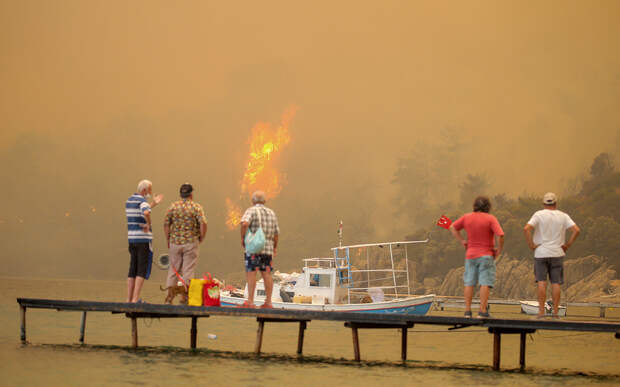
[{"x": 481, "y": 228}]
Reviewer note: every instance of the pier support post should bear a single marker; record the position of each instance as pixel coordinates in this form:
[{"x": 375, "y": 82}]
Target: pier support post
[
  {"x": 259, "y": 336},
  {"x": 497, "y": 349},
  {"x": 403, "y": 349},
  {"x": 497, "y": 344},
  {"x": 602, "y": 312},
  {"x": 261, "y": 329},
  {"x": 356, "y": 343},
  {"x": 134, "y": 332},
  {"x": 22, "y": 326},
  {"x": 193, "y": 332},
  {"x": 300, "y": 338},
  {"x": 83, "y": 327},
  {"x": 365, "y": 325},
  {"x": 522, "y": 352}
]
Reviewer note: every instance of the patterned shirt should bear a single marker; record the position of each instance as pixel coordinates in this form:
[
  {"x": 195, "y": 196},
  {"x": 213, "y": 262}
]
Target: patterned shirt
[
  {"x": 135, "y": 207},
  {"x": 269, "y": 224},
  {"x": 184, "y": 218}
]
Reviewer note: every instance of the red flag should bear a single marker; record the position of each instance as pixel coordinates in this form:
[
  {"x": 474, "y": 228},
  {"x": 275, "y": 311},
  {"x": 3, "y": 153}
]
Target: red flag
[{"x": 444, "y": 222}]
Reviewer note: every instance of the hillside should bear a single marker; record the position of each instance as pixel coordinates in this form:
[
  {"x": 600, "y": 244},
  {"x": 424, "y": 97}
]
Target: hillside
[{"x": 587, "y": 279}]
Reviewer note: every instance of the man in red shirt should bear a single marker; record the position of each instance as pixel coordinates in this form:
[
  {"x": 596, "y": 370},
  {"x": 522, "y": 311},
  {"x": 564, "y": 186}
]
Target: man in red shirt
[{"x": 481, "y": 251}]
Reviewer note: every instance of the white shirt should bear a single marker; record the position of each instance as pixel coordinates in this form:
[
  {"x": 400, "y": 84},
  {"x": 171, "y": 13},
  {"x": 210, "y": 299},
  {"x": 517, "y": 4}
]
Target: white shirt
[{"x": 550, "y": 232}]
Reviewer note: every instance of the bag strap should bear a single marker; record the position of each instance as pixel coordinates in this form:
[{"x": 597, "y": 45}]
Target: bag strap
[{"x": 258, "y": 211}]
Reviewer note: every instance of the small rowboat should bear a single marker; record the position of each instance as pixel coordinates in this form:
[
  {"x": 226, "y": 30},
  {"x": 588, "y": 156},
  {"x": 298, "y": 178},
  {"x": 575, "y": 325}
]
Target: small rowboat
[{"x": 531, "y": 308}]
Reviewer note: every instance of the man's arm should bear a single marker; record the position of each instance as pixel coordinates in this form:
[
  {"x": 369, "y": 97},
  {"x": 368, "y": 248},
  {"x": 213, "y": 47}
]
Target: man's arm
[
  {"x": 500, "y": 246},
  {"x": 458, "y": 236},
  {"x": 147, "y": 216},
  {"x": 575, "y": 230},
  {"x": 244, "y": 228},
  {"x": 167, "y": 233},
  {"x": 203, "y": 231},
  {"x": 528, "y": 236},
  {"x": 275, "y": 245},
  {"x": 156, "y": 200}
]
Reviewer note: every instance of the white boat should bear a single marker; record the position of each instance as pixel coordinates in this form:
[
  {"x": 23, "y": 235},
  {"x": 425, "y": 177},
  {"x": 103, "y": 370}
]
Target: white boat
[
  {"x": 339, "y": 284},
  {"x": 531, "y": 308}
]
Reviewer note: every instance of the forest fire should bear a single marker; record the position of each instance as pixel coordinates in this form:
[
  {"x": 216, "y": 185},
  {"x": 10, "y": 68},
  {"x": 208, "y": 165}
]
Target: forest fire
[{"x": 261, "y": 172}]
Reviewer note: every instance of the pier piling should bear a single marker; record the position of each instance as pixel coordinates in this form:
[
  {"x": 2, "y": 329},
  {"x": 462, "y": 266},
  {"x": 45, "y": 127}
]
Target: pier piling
[
  {"x": 83, "y": 327},
  {"x": 194, "y": 332},
  {"x": 22, "y": 326}
]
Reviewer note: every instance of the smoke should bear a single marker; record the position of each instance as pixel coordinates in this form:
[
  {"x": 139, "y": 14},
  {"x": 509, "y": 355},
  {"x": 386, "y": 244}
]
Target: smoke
[{"x": 97, "y": 96}]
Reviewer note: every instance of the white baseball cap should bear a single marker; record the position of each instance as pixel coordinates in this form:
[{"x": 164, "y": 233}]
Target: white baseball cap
[{"x": 550, "y": 198}]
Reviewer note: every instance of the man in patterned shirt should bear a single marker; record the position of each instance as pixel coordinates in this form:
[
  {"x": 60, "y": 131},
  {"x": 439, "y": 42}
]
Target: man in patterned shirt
[
  {"x": 185, "y": 227},
  {"x": 140, "y": 235},
  {"x": 262, "y": 260}
]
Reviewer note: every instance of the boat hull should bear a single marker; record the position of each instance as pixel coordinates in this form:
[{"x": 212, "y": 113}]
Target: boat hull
[
  {"x": 531, "y": 308},
  {"x": 418, "y": 305}
]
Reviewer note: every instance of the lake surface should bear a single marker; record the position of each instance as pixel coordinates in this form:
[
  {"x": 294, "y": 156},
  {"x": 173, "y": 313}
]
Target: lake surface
[{"x": 435, "y": 356}]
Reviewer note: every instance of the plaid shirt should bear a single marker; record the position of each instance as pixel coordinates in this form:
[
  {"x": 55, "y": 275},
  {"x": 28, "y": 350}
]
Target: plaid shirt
[
  {"x": 269, "y": 224},
  {"x": 184, "y": 217}
]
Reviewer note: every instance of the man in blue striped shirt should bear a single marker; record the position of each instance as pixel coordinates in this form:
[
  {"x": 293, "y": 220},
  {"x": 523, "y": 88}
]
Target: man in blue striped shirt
[{"x": 140, "y": 235}]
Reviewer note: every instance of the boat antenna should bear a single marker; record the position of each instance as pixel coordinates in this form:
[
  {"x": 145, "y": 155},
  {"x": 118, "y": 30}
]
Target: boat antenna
[{"x": 340, "y": 233}]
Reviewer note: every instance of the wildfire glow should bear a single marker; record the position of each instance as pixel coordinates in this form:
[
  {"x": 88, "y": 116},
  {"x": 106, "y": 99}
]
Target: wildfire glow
[
  {"x": 261, "y": 172},
  {"x": 234, "y": 214}
]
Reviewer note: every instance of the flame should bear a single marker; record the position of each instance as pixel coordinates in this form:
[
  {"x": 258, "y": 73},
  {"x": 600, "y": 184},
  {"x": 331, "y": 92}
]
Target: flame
[
  {"x": 261, "y": 172},
  {"x": 234, "y": 214}
]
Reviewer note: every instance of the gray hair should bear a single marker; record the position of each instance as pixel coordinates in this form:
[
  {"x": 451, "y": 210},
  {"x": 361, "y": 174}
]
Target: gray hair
[
  {"x": 144, "y": 185},
  {"x": 258, "y": 197}
]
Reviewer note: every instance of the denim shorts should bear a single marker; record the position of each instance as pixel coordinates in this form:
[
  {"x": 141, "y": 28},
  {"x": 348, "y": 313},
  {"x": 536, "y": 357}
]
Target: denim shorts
[
  {"x": 257, "y": 262},
  {"x": 479, "y": 271}
]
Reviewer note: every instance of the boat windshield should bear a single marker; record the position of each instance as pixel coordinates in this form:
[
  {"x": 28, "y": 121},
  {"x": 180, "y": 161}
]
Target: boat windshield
[{"x": 320, "y": 280}]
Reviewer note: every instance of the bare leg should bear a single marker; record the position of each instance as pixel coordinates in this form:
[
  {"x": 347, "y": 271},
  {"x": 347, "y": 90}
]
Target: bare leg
[
  {"x": 137, "y": 288},
  {"x": 484, "y": 298},
  {"x": 469, "y": 293},
  {"x": 268, "y": 286},
  {"x": 555, "y": 294},
  {"x": 542, "y": 294},
  {"x": 251, "y": 278},
  {"x": 131, "y": 281}
]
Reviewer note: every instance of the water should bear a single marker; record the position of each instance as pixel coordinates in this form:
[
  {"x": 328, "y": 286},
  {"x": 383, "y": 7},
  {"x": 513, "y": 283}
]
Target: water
[{"x": 436, "y": 357}]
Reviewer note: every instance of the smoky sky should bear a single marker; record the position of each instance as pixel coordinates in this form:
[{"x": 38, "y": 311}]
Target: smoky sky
[{"x": 97, "y": 95}]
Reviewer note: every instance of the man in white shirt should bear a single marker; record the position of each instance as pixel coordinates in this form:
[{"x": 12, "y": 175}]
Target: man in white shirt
[{"x": 548, "y": 243}]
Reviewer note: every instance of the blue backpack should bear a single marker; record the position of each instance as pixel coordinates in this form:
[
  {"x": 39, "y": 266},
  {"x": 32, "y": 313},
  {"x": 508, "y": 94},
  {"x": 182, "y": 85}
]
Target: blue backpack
[{"x": 255, "y": 241}]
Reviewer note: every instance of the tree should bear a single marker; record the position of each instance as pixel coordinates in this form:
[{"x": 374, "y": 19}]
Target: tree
[
  {"x": 425, "y": 178},
  {"x": 602, "y": 165},
  {"x": 473, "y": 186}
]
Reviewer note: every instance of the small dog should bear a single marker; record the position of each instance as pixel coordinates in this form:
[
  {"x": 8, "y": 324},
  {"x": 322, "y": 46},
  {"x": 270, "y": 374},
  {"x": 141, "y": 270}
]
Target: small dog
[{"x": 173, "y": 291}]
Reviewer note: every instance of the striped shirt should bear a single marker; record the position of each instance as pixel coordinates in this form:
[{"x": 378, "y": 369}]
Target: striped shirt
[
  {"x": 269, "y": 224},
  {"x": 135, "y": 207}
]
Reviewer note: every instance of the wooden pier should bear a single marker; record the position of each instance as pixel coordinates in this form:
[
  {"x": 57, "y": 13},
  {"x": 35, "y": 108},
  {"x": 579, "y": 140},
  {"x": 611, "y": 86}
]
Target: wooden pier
[
  {"x": 354, "y": 321},
  {"x": 444, "y": 302}
]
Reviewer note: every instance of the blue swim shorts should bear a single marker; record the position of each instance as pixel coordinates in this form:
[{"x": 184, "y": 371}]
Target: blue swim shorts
[
  {"x": 479, "y": 271},
  {"x": 257, "y": 262}
]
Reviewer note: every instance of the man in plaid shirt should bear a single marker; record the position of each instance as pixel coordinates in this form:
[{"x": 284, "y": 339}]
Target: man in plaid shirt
[{"x": 262, "y": 260}]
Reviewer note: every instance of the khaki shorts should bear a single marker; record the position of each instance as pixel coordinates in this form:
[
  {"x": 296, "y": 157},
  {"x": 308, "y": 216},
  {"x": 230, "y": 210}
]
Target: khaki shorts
[{"x": 183, "y": 258}]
